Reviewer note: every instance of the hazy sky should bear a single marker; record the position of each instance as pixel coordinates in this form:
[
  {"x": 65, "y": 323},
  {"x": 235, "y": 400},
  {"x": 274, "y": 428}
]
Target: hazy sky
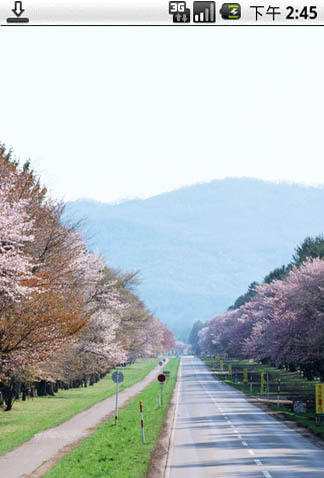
[{"x": 111, "y": 113}]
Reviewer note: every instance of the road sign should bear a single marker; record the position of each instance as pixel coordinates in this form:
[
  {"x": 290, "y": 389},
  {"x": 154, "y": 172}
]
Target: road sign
[
  {"x": 161, "y": 378},
  {"x": 117, "y": 377}
]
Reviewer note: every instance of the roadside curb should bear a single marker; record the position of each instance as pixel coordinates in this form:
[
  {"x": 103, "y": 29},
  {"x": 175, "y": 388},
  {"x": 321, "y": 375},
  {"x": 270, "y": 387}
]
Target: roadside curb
[{"x": 159, "y": 461}]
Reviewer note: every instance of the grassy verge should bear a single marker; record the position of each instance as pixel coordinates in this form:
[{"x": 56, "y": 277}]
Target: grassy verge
[
  {"x": 117, "y": 451},
  {"x": 293, "y": 387},
  {"x": 30, "y": 417}
]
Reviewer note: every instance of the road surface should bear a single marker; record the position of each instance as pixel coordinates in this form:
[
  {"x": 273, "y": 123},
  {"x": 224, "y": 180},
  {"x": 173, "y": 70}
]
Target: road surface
[{"x": 217, "y": 433}]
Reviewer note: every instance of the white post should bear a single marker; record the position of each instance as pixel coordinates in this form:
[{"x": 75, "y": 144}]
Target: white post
[
  {"x": 278, "y": 393},
  {"x": 142, "y": 421},
  {"x": 268, "y": 386},
  {"x": 251, "y": 384},
  {"x": 161, "y": 393}
]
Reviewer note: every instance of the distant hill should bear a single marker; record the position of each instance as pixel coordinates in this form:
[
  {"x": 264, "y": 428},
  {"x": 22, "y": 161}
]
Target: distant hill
[{"x": 199, "y": 247}]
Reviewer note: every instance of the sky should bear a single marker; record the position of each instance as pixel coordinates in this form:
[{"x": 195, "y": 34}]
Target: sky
[{"x": 116, "y": 113}]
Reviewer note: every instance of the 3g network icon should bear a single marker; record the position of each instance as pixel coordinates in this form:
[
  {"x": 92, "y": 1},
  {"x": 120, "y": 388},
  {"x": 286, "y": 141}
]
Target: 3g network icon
[
  {"x": 179, "y": 11},
  {"x": 177, "y": 7}
]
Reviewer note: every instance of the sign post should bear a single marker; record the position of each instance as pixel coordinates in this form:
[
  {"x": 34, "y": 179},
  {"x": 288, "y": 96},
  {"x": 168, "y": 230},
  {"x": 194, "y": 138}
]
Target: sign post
[
  {"x": 142, "y": 420},
  {"x": 117, "y": 377},
  {"x": 263, "y": 384},
  {"x": 319, "y": 393},
  {"x": 161, "y": 379}
]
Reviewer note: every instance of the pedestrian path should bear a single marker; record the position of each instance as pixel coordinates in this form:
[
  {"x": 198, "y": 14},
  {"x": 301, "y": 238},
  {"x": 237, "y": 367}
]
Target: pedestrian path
[{"x": 35, "y": 457}]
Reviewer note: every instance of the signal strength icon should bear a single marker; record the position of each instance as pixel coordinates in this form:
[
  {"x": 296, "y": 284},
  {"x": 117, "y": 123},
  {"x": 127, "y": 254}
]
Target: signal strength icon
[{"x": 204, "y": 12}]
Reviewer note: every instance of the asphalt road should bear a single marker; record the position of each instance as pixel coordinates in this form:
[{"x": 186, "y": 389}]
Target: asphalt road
[{"x": 217, "y": 433}]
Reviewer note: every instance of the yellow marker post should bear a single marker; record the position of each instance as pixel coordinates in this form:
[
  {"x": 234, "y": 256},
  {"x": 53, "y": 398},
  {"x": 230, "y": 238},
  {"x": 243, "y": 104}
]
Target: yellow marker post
[
  {"x": 222, "y": 364},
  {"x": 217, "y": 361},
  {"x": 229, "y": 369},
  {"x": 245, "y": 376},
  {"x": 263, "y": 383},
  {"x": 319, "y": 391}
]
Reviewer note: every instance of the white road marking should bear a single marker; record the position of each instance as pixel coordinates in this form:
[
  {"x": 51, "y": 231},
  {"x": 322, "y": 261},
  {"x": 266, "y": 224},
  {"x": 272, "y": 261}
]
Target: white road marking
[
  {"x": 266, "y": 474},
  {"x": 168, "y": 465},
  {"x": 239, "y": 437}
]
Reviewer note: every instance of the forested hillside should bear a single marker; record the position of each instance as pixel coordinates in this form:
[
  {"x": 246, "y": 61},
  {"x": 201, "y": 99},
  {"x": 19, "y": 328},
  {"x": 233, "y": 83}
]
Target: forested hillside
[{"x": 198, "y": 248}]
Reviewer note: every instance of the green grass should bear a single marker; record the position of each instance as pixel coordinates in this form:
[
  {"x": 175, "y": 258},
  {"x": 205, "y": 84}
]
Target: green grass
[
  {"x": 35, "y": 415},
  {"x": 117, "y": 451},
  {"x": 293, "y": 386}
]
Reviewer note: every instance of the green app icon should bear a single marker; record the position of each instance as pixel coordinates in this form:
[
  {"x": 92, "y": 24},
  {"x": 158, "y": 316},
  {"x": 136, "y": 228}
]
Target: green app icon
[{"x": 231, "y": 11}]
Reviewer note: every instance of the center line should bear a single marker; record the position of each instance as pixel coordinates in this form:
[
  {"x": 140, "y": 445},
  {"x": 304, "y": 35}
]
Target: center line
[
  {"x": 258, "y": 462},
  {"x": 267, "y": 474},
  {"x": 251, "y": 452},
  {"x": 244, "y": 443}
]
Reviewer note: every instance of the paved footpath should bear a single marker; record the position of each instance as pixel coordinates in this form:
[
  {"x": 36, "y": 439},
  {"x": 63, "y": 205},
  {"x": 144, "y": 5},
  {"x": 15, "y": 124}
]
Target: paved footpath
[{"x": 36, "y": 456}]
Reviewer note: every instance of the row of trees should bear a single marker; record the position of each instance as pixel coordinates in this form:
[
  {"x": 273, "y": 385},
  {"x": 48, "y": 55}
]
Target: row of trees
[
  {"x": 280, "y": 321},
  {"x": 65, "y": 317}
]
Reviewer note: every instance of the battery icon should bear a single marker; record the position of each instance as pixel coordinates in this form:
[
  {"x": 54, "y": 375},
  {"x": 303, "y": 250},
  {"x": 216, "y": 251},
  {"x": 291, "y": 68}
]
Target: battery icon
[{"x": 231, "y": 11}]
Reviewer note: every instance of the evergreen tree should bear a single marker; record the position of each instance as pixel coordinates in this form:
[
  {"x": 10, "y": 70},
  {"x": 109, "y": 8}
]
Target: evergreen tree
[
  {"x": 311, "y": 247},
  {"x": 194, "y": 337},
  {"x": 277, "y": 274}
]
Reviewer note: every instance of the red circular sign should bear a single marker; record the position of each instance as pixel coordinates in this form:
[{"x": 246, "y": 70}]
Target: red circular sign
[{"x": 161, "y": 378}]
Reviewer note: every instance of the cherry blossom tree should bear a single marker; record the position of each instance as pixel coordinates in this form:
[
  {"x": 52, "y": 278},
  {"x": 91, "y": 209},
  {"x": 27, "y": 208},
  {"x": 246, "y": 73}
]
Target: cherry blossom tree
[{"x": 15, "y": 230}]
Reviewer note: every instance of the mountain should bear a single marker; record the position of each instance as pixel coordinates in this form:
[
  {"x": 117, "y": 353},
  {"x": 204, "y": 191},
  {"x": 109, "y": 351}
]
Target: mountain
[{"x": 198, "y": 248}]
